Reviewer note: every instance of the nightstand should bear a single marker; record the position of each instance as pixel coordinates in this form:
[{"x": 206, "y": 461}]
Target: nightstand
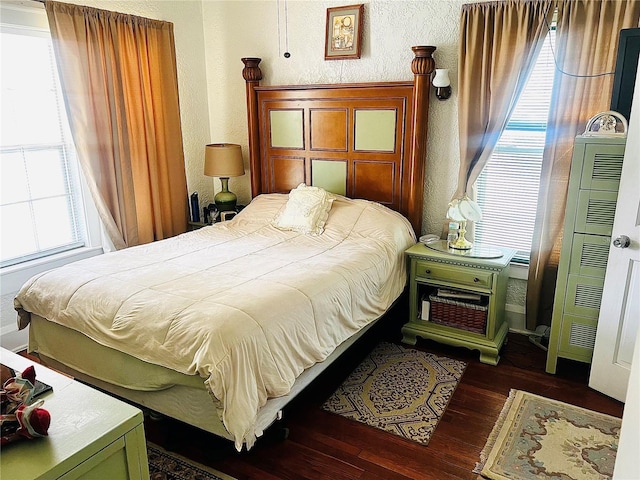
[
  {"x": 196, "y": 225},
  {"x": 457, "y": 297}
]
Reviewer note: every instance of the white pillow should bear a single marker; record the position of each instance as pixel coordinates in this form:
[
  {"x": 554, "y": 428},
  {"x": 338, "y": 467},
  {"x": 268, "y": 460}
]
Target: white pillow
[{"x": 306, "y": 210}]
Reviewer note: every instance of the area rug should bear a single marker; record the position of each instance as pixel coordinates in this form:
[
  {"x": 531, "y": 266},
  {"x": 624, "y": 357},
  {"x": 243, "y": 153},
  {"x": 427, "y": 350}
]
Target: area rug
[
  {"x": 400, "y": 390},
  {"x": 536, "y": 437},
  {"x": 164, "y": 465}
]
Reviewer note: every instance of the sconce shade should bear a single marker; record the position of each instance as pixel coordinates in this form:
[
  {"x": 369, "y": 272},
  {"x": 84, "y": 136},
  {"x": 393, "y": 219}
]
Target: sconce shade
[
  {"x": 223, "y": 160},
  {"x": 441, "y": 78},
  {"x": 442, "y": 83}
]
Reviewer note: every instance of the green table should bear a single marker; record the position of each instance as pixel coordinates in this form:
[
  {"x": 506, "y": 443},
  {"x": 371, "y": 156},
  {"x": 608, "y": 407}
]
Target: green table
[
  {"x": 481, "y": 273},
  {"x": 91, "y": 436}
]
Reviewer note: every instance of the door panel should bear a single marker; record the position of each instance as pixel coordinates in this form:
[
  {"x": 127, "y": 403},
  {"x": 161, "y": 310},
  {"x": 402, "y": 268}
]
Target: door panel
[{"x": 620, "y": 314}]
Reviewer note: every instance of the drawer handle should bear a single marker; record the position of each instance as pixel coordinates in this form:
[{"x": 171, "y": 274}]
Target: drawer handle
[
  {"x": 476, "y": 280},
  {"x": 427, "y": 271}
]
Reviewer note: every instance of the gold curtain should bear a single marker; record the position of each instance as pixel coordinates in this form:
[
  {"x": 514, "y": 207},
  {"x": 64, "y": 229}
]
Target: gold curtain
[
  {"x": 586, "y": 45},
  {"x": 118, "y": 75},
  {"x": 499, "y": 42}
]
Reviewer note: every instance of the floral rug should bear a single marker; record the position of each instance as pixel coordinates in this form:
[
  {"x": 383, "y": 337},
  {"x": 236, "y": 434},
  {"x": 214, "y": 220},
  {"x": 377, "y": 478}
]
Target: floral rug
[
  {"x": 164, "y": 465},
  {"x": 400, "y": 390},
  {"x": 536, "y": 437}
]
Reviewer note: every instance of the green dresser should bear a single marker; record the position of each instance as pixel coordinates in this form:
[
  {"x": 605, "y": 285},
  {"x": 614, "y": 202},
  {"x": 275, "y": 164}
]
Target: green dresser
[
  {"x": 591, "y": 203},
  {"x": 481, "y": 273},
  {"x": 92, "y": 436}
]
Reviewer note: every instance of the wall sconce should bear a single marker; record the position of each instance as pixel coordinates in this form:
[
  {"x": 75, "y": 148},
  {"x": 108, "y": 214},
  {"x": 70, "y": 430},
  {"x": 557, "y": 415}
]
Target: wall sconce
[{"x": 442, "y": 83}]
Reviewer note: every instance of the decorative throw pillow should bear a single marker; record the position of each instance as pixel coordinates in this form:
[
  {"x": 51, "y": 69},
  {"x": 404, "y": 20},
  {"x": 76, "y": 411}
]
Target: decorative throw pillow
[{"x": 306, "y": 210}]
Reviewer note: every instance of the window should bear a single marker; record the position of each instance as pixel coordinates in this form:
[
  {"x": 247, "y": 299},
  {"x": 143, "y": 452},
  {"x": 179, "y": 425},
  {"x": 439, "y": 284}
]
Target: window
[
  {"x": 41, "y": 205},
  {"x": 507, "y": 188}
]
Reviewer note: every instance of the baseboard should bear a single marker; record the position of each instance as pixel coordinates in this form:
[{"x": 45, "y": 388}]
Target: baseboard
[
  {"x": 516, "y": 319},
  {"x": 16, "y": 340}
]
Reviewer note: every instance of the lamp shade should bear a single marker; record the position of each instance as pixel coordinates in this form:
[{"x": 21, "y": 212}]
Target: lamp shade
[
  {"x": 470, "y": 209},
  {"x": 441, "y": 78},
  {"x": 223, "y": 160},
  {"x": 463, "y": 209}
]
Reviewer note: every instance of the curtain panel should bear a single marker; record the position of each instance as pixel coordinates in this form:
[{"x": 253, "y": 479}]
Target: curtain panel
[
  {"x": 119, "y": 80},
  {"x": 586, "y": 47},
  {"x": 499, "y": 42}
]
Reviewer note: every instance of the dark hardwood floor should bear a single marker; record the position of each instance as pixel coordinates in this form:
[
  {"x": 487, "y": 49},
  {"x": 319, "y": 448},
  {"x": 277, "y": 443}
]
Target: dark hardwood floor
[{"x": 321, "y": 445}]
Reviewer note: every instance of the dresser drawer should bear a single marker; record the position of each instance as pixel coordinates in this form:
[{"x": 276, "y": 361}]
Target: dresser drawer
[
  {"x": 602, "y": 167},
  {"x": 595, "y": 212},
  {"x": 453, "y": 274},
  {"x": 589, "y": 255},
  {"x": 583, "y": 296}
]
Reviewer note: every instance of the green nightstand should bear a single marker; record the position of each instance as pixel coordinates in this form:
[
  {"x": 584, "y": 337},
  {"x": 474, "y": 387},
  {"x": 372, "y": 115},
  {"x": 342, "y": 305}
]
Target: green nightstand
[
  {"x": 196, "y": 225},
  {"x": 463, "y": 293}
]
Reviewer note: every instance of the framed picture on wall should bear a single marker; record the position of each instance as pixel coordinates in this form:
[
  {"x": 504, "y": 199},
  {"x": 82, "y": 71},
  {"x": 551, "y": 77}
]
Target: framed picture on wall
[{"x": 344, "y": 32}]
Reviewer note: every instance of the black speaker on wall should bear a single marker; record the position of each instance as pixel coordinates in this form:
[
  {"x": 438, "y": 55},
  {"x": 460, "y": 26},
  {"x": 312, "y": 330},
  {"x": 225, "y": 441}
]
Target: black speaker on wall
[{"x": 626, "y": 66}]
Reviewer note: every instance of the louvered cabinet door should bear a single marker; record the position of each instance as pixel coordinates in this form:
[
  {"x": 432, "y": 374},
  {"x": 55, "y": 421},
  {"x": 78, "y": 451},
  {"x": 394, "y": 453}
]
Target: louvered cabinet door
[
  {"x": 591, "y": 202},
  {"x": 602, "y": 165}
]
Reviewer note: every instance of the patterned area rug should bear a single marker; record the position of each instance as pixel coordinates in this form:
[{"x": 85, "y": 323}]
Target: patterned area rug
[
  {"x": 400, "y": 390},
  {"x": 165, "y": 465},
  {"x": 536, "y": 437}
]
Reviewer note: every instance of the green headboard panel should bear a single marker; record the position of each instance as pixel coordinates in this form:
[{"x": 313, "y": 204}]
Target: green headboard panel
[
  {"x": 286, "y": 129},
  {"x": 375, "y": 130},
  {"x": 330, "y": 175}
]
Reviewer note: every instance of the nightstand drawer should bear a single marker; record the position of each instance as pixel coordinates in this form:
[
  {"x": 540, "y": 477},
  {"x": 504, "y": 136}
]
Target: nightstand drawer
[{"x": 458, "y": 275}]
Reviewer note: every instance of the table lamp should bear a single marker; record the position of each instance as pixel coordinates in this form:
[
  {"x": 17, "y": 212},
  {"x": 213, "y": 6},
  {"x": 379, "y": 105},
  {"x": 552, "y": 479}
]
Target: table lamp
[
  {"x": 463, "y": 210},
  {"x": 224, "y": 160}
]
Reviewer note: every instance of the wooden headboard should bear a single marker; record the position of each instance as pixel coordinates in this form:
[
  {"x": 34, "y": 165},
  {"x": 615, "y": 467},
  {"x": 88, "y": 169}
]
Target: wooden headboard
[{"x": 361, "y": 140}]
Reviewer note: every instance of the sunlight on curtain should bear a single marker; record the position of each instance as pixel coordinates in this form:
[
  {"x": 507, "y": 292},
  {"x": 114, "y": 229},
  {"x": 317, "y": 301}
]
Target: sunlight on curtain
[
  {"x": 586, "y": 47},
  {"x": 118, "y": 74},
  {"x": 499, "y": 42}
]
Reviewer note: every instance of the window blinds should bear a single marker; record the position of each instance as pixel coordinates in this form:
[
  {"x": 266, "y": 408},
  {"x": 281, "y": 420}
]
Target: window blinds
[
  {"x": 507, "y": 188},
  {"x": 41, "y": 207}
]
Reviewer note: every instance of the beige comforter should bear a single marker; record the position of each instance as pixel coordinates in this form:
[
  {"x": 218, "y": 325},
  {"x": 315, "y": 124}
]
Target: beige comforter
[{"x": 243, "y": 304}]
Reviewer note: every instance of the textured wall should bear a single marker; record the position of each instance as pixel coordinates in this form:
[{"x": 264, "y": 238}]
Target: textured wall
[
  {"x": 517, "y": 291},
  {"x": 236, "y": 29},
  {"x": 212, "y": 36}
]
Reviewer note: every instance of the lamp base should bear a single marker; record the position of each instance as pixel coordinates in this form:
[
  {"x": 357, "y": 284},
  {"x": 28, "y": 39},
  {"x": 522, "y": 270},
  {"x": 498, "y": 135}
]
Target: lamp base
[
  {"x": 225, "y": 200},
  {"x": 462, "y": 244}
]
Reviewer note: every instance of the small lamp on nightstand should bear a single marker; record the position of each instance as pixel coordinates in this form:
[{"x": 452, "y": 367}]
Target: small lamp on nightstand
[
  {"x": 224, "y": 160},
  {"x": 463, "y": 210}
]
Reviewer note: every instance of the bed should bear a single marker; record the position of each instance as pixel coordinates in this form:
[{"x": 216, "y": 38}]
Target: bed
[{"x": 221, "y": 327}]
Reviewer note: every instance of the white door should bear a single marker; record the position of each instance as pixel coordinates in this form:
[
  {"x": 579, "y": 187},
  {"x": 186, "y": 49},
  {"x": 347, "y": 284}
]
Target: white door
[
  {"x": 620, "y": 308},
  {"x": 627, "y": 466}
]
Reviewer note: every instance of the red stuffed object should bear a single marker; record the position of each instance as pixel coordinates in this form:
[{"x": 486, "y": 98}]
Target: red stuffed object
[{"x": 19, "y": 419}]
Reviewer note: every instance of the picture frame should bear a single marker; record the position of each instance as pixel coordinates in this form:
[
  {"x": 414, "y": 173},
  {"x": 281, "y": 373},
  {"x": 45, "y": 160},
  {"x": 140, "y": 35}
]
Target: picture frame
[{"x": 343, "y": 38}]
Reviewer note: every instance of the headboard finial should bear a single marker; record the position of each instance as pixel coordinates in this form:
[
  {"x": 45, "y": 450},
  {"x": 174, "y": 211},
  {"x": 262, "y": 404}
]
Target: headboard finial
[
  {"x": 423, "y": 63},
  {"x": 251, "y": 71}
]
